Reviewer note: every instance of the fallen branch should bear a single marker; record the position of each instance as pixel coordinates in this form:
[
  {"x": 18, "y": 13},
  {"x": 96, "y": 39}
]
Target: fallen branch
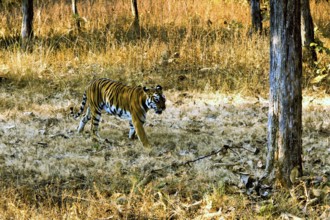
[
  {"x": 189, "y": 162},
  {"x": 222, "y": 150},
  {"x": 149, "y": 176},
  {"x": 215, "y": 165},
  {"x": 153, "y": 173}
]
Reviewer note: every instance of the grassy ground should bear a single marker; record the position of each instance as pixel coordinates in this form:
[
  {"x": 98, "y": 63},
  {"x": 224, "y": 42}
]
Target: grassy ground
[
  {"x": 216, "y": 81},
  {"x": 48, "y": 171}
]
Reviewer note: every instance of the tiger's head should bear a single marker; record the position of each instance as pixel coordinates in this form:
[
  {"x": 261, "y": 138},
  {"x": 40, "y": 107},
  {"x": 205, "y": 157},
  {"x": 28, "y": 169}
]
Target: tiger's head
[{"x": 155, "y": 99}]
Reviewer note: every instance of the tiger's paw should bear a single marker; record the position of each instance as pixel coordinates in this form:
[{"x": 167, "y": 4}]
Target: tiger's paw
[{"x": 133, "y": 137}]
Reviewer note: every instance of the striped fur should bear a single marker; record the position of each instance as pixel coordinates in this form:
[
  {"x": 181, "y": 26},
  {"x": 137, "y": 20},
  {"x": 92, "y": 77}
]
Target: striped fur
[{"x": 127, "y": 102}]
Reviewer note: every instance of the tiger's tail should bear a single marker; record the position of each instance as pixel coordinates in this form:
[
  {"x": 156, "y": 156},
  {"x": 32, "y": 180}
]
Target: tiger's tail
[{"x": 82, "y": 107}]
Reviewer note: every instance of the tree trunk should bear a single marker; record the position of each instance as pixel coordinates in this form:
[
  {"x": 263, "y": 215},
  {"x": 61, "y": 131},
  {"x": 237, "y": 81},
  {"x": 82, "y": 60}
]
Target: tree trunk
[
  {"x": 27, "y": 22},
  {"x": 75, "y": 14},
  {"x": 256, "y": 16},
  {"x": 285, "y": 106},
  {"x": 307, "y": 31},
  {"x": 135, "y": 26}
]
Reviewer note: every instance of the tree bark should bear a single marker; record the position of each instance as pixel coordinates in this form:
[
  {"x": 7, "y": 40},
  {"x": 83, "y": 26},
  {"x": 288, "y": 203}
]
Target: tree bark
[
  {"x": 136, "y": 24},
  {"x": 256, "y": 16},
  {"x": 307, "y": 31},
  {"x": 27, "y": 22},
  {"x": 75, "y": 14},
  {"x": 285, "y": 106}
]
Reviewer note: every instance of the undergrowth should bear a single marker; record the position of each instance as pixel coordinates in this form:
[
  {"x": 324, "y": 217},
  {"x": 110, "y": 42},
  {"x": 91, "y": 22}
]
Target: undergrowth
[{"x": 203, "y": 46}]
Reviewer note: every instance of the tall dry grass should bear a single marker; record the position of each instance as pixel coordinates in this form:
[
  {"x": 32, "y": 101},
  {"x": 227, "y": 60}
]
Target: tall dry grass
[
  {"x": 208, "y": 35},
  {"x": 212, "y": 39}
]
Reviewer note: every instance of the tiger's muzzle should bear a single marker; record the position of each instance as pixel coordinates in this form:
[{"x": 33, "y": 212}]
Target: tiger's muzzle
[{"x": 159, "y": 111}]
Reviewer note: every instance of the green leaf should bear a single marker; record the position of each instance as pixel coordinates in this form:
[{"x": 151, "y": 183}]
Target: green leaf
[{"x": 313, "y": 44}]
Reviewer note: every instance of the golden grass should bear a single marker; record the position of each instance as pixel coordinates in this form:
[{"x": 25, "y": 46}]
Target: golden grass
[
  {"x": 48, "y": 172},
  {"x": 105, "y": 47},
  {"x": 232, "y": 60}
]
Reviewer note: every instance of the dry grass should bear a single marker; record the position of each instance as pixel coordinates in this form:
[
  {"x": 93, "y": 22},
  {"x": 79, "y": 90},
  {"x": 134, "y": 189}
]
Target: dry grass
[
  {"x": 47, "y": 171},
  {"x": 216, "y": 56},
  {"x": 106, "y": 47}
]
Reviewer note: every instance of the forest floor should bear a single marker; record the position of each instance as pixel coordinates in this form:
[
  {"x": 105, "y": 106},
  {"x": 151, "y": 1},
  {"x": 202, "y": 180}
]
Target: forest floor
[
  {"x": 49, "y": 170},
  {"x": 208, "y": 147}
]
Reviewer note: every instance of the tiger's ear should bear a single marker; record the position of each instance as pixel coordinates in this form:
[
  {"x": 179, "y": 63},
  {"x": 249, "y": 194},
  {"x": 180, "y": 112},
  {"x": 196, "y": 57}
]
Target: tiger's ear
[
  {"x": 158, "y": 87},
  {"x": 145, "y": 89}
]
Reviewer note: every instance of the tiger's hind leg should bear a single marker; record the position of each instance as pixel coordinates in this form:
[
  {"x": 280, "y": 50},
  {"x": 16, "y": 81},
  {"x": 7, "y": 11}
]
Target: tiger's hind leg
[
  {"x": 96, "y": 118},
  {"x": 131, "y": 134},
  {"x": 84, "y": 120}
]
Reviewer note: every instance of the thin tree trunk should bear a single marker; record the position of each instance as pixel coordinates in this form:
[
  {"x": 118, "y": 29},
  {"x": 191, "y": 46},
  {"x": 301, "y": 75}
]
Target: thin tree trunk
[
  {"x": 75, "y": 14},
  {"x": 136, "y": 24},
  {"x": 307, "y": 31},
  {"x": 256, "y": 16},
  {"x": 27, "y": 22},
  {"x": 285, "y": 106}
]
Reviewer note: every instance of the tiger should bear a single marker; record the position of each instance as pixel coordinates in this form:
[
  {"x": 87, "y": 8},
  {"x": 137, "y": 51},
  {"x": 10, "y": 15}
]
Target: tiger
[{"x": 127, "y": 102}]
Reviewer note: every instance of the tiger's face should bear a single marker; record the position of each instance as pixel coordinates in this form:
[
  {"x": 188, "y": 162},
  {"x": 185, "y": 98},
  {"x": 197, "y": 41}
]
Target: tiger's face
[{"x": 155, "y": 99}]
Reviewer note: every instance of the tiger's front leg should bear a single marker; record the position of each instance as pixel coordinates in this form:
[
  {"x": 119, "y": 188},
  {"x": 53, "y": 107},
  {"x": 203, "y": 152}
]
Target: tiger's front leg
[
  {"x": 131, "y": 134},
  {"x": 140, "y": 131}
]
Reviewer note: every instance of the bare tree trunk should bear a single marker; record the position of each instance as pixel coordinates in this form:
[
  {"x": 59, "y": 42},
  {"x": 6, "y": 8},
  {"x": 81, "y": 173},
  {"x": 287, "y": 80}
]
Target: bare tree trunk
[
  {"x": 135, "y": 26},
  {"x": 307, "y": 31},
  {"x": 27, "y": 22},
  {"x": 75, "y": 14},
  {"x": 285, "y": 106},
  {"x": 256, "y": 16},
  {"x": 272, "y": 125}
]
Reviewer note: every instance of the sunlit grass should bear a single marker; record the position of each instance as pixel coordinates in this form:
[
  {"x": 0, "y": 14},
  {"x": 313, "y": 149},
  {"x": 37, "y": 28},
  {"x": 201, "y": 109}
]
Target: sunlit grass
[
  {"x": 208, "y": 35},
  {"x": 189, "y": 47}
]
